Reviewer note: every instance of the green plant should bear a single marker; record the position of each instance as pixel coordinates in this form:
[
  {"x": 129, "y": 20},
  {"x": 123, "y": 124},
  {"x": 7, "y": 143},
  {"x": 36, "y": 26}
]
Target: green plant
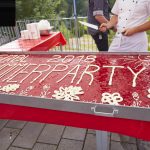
[{"x": 66, "y": 32}]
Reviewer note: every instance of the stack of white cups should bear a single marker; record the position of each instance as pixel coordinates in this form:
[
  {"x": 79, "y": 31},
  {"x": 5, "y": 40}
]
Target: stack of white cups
[
  {"x": 25, "y": 34},
  {"x": 32, "y": 32}
]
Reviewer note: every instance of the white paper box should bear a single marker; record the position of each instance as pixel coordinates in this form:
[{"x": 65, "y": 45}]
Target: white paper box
[
  {"x": 25, "y": 34},
  {"x": 33, "y": 29}
]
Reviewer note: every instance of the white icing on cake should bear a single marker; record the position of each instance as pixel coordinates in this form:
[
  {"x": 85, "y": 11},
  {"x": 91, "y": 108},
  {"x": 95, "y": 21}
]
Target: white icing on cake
[
  {"x": 9, "y": 88},
  {"x": 68, "y": 93},
  {"x": 90, "y": 58},
  {"x": 135, "y": 96},
  {"x": 55, "y": 58},
  {"x": 66, "y": 59},
  {"x": 135, "y": 75},
  {"x": 55, "y": 69},
  {"x": 14, "y": 73},
  {"x": 21, "y": 72},
  {"x": 9, "y": 68},
  {"x": 148, "y": 93},
  {"x": 97, "y": 68},
  {"x": 45, "y": 92},
  {"x": 112, "y": 73},
  {"x": 73, "y": 72},
  {"x": 112, "y": 99},
  {"x": 25, "y": 92}
]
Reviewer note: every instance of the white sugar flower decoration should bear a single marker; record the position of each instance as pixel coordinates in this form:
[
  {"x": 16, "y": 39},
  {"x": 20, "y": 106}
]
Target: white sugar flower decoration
[
  {"x": 112, "y": 99},
  {"x": 9, "y": 88},
  {"x": 25, "y": 92},
  {"x": 148, "y": 93},
  {"x": 68, "y": 93},
  {"x": 45, "y": 92},
  {"x": 136, "y": 98}
]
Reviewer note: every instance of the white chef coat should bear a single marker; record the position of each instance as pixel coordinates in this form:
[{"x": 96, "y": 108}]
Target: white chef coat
[{"x": 130, "y": 13}]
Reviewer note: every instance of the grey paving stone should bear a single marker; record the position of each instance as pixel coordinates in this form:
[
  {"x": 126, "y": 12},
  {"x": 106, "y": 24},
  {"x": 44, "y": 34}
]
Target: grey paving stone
[
  {"x": 122, "y": 146},
  {"x": 115, "y": 137},
  {"x": 143, "y": 145},
  {"x": 66, "y": 144},
  {"x": 5, "y": 140},
  {"x": 74, "y": 133},
  {"x": 16, "y": 148},
  {"x": 91, "y": 131},
  {"x": 109, "y": 135},
  {"x": 2, "y": 123},
  {"x": 90, "y": 142},
  {"x": 94, "y": 132},
  {"x": 122, "y": 138},
  {"x": 41, "y": 146},
  {"x": 51, "y": 134},
  {"x": 15, "y": 124},
  {"x": 28, "y": 135}
]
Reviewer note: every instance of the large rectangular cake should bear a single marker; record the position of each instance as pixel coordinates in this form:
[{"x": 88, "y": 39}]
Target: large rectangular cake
[{"x": 92, "y": 78}]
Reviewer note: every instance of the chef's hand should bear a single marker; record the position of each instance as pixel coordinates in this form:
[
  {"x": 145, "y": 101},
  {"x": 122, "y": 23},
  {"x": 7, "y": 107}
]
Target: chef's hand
[
  {"x": 103, "y": 27},
  {"x": 128, "y": 31},
  {"x": 114, "y": 29}
]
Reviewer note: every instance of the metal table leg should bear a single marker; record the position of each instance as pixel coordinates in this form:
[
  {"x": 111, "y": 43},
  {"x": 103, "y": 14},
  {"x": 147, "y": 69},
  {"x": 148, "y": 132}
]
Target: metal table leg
[
  {"x": 102, "y": 140},
  {"x": 61, "y": 47}
]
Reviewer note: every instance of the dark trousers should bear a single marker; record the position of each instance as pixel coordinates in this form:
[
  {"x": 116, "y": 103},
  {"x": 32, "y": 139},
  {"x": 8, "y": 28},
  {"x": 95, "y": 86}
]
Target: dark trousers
[{"x": 101, "y": 41}]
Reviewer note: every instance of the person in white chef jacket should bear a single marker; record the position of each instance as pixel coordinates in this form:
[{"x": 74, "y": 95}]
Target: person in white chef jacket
[{"x": 130, "y": 17}]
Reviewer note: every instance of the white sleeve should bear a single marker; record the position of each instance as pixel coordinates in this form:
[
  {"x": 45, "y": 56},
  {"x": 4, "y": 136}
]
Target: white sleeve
[
  {"x": 149, "y": 8},
  {"x": 115, "y": 9}
]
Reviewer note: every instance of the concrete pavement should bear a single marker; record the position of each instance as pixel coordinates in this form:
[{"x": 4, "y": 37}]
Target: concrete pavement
[{"x": 21, "y": 135}]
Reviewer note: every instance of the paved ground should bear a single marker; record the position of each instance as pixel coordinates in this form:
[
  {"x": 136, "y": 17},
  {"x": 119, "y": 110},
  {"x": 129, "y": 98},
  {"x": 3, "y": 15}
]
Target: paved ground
[{"x": 20, "y": 135}]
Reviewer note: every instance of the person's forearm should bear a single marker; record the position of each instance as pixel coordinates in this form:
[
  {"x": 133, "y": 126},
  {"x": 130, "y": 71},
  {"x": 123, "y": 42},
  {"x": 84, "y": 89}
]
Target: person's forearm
[
  {"x": 113, "y": 21},
  {"x": 143, "y": 27},
  {"x": 101, "y": 19}
]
